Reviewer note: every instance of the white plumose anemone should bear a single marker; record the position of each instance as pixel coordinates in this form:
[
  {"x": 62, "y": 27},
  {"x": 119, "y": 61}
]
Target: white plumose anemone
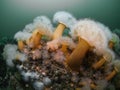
[
  {"x": 42, "y": 23},
  {"x": 9, "y": 54},
  {"x": 20, "y": 56},
  {"x": 116, "y": 63},
  {"x": 29, "y": 28},
  {"x": 116, "y": 40},
  {"x": 109, "y": 54},
  {"x": 65, "y": 18},
  {"x": 22, "y": 36},
  {"x": 93, "y": 33},
  {"x": 68, "y": 41},
  {"x": 54, "y": 44},
  {"x": 107, "y": 31}
]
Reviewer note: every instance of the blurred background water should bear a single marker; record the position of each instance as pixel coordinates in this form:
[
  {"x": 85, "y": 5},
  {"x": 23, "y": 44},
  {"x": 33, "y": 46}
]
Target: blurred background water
[{"x": 15, "y": 14}]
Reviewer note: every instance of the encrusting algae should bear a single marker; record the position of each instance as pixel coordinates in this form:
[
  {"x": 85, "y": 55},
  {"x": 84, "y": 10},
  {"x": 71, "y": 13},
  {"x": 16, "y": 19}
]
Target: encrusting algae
[{"x": 47, "y": 60}]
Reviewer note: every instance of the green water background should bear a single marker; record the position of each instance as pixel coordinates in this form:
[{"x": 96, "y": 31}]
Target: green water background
[{"x": 15, "y": 14}]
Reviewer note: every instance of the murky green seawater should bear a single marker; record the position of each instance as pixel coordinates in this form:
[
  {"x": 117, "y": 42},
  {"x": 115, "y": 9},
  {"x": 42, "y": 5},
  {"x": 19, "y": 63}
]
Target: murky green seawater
[{"x": 15, "y": 14}]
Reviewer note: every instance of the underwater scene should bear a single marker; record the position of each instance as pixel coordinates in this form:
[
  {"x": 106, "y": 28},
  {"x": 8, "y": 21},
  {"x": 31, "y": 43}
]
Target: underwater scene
[{"x": 66, "y": 53}]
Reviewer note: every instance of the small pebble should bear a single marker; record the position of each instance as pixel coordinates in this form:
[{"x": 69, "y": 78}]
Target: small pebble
[
  {"x": 46, "y": 81},
  {"x": 38, "y": 85}
]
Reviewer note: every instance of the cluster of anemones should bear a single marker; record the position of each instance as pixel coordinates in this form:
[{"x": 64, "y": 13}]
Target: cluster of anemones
[{"x": 81, "y": 60}]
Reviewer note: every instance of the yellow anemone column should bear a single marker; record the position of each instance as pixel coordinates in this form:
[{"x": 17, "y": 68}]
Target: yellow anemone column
[
  {"x": 59, "y": 31},
  {"x": 35, "y": 39},
  {"x": 111, "y": 44},
  {"x": 98, "y": 64},
  {"x": 106, "y": 57},
  {"x": 21, "y": 45},
  {"x": 64, "y": 49},
  {"x": 75, "y": 59},
  {"x": 112, "y": 74},
  {"x": 92, "y": 85},
  {"x": 116, "y": 70}
]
